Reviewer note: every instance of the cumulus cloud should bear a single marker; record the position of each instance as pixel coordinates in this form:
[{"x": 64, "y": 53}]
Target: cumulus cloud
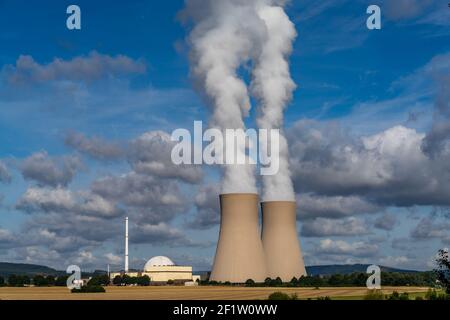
[
  {"x": 5, "y": 176},
  {"x": 94, "y": 147},
  {"x": 37, "y": 255},
  {"x": 60, "y": 200},
  {"x": 7, "y": 239},
  {"x": 162, "y": 234},
  {"x": 339, "y": 247},
  {"x": 388, "y": 168},
  {"x": 428, "y": 228},
  {"x": 385, "y": 222},
  {"x": 42, "y": 199},
  {"x": 113, "y": 259},
  {"x": 150, "y": 154},
  {"x": 437, "y": 140},
  {"x": 94, "y": 66},
  {"x": 156, "y": 200},
  {"x": 207, "y": 207},
  {"x": 327, "y": 227},
  {"x": 312, "y": 206},
  {"x": 395, "y": 261},
  {"x": 48, "y": 171}
]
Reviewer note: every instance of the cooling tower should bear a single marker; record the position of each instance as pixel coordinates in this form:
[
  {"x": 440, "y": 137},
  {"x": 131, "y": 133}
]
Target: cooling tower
[
  {"x": 279, "y": 237},
  {"x": 239, "y": 253}
]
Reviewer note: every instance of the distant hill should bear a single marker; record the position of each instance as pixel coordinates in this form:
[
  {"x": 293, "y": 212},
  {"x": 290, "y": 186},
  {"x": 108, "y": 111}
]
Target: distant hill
[
  {"x": 347, "y": 268},
  {"x": 7, "y": 269}
]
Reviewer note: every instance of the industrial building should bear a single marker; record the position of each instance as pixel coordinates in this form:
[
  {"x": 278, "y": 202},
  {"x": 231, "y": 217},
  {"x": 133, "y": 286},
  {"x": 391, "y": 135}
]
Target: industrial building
[
  {"x": 159, "y": 269},
  {"x": 243, "y": 252}
]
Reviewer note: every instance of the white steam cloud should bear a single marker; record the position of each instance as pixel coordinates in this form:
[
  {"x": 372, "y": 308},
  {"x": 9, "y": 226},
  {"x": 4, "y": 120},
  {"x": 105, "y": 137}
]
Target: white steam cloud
[
  {"x": 226, "y": 37},
  {"x": 272, "y": 86}
]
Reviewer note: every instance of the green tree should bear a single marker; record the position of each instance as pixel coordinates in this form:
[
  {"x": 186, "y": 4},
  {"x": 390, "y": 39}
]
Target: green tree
[
  {"x": 40, "y": 281},
  {"x": 335, "y": 280},
  {"x": 2, "y": 281},
  {"x": 100, "y": 280},
  {"x": 143, "y": 281},
  {"x": 250, "y": 283},
  {"x": 61, "y": 281},
  {"x": 277, "y": 282},
  {"x": 18, "y": 281},
  {"x": 51, "y": 280},
  {"x": 443, "y": 269},
  {"x": 117, "y": 280}
]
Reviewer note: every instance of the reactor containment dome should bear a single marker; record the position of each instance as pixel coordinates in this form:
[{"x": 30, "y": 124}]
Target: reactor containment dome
[{"x": 158, "y": 261}]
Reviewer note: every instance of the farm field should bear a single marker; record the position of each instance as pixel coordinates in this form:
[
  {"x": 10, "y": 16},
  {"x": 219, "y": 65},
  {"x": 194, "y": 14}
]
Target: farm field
[{"x": 191, "y": 293}]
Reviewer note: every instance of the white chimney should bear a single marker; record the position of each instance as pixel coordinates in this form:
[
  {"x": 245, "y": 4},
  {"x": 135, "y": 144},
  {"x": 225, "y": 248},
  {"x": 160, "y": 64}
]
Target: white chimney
[{"x": 126, "y": 245}]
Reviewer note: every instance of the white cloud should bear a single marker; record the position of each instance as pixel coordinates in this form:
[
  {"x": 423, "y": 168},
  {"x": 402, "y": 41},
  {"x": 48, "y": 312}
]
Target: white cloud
[
  {"x": 83, "y": 68},
  {"x": 321, "y": 227},
  {"x": 340, "y": 247},
  {"x": 49, "y": 171}
]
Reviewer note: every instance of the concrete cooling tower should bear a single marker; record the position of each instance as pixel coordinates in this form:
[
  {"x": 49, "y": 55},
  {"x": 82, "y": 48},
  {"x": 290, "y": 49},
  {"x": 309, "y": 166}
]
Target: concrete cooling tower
[
  {"x": 279, "y": 237},
  {"x": 239, "y": 254}
]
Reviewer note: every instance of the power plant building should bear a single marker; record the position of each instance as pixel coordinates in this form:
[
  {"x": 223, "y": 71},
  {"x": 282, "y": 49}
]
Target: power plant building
[
  {"x": 244, "y": 252},
  {"x": 161, "y": 269},
  {"x": 279, "y": 237},
  {"x": 239, "y": 254}
]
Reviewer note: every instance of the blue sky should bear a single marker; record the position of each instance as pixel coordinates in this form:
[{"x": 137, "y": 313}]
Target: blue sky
[{"x": 73, "y": 140}]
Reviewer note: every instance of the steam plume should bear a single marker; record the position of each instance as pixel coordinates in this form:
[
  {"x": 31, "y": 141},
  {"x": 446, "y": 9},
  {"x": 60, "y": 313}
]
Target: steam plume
[
  {"x": 272, "y": 86},
  {"x": 226, "y": 36}
]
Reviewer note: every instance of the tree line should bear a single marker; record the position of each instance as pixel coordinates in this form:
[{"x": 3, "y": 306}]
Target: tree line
[
  {"x": 61, "y": 281},
  {"x": 37, "y": 280},
  {"x": 356, "y": 279}
]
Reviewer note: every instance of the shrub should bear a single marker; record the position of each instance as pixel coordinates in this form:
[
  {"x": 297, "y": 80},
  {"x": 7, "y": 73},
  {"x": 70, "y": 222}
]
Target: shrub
[
  {"x": 170, "y": 281},
  {"x": 374, "y": 295},
  {"x": 282, "y": 296},
  {"x": 434, "y": 295},
  {"x": 89, "y": 289},
  {"x": 396, "y": 296},
  {"x": 324, "y": 298},
  {"x": 2, "y": 281},
  {"x": 431, "y": 294}
]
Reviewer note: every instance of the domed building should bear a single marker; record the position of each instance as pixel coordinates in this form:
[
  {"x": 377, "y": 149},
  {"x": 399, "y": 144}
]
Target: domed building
[
  {"x": 158, "y": 261},
  {"x": 161, "y": 269}
]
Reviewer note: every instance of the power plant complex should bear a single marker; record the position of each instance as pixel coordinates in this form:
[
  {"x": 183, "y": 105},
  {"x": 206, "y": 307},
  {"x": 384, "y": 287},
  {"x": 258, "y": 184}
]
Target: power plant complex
[{"x": 245, "y": 252}]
